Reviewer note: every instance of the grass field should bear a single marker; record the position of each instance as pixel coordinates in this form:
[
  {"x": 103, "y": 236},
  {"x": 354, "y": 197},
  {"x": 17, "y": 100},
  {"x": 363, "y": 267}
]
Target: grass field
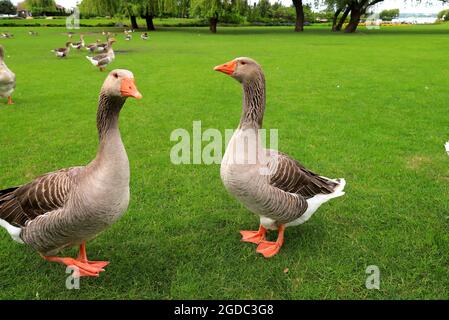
[{"x": 370, "y": 107}]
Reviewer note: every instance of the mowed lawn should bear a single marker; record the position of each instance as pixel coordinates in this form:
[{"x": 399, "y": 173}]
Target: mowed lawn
[{"x": 371, "y": 107}]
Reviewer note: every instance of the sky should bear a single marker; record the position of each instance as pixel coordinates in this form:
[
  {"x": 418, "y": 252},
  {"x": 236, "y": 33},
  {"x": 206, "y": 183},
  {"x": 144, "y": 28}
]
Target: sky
[{"x": 405, "y": 6}]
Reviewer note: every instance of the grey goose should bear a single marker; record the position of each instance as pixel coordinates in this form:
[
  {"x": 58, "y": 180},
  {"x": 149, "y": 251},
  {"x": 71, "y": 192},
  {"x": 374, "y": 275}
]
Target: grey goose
[
  {"x": 68, "y": 207},
  {"x": 274, "y": 186}
]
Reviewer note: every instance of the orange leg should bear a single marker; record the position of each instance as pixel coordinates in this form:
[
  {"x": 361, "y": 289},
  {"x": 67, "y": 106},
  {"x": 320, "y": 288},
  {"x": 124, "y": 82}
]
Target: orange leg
[
  {"x": 82, "y": 266},
  {"x": 10, "y": 100},
  {"x": 268, "y": 248},
  {"x": 254, "y": 236},
  {"x": 82, "y": 256}
]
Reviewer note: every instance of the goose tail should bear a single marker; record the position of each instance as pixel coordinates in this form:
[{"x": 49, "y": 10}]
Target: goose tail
[
  {"x": 338, "y": 191},
  {"x": 14, "y": 232},
  {"x": 92, "y": 60}
]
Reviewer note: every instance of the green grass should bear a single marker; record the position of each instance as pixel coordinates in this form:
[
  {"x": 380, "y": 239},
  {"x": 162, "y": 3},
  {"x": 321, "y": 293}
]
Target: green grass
[{"x": 370, "y": 107}]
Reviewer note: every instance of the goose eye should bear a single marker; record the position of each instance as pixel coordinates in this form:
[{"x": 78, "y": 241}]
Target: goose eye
[
  {"x": 115, "y": 75},
  {"x": 243, "y": 63}
]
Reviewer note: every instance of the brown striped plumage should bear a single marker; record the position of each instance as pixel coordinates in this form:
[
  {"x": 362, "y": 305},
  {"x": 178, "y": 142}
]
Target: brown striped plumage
[
  {"x": 291, "y": 176},
  {"x": 46, "y": 193}
]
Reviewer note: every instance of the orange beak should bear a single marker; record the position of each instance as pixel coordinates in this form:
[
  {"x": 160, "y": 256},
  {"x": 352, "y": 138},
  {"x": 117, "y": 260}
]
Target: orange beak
[
  {"x": 228, "y": 67},
  {"x": 129, "y": 89}
]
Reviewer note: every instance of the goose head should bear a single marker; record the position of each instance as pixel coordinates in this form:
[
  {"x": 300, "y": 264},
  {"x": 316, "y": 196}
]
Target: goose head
[
  {"x": 120, "y": 83},
  {"x": 67, "y": 44},
  {"x": 111, "y": 41},
  {"x": 242, "y": 69}
]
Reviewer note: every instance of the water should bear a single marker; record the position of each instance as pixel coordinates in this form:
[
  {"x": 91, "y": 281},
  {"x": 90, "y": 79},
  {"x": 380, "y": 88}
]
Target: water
[{"x": 416, "y": 20}]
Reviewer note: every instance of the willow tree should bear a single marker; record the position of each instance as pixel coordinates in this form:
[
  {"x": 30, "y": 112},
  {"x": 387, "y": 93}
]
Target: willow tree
[
  {"x": 212, "y": 10},
  {"x": 150, "y": 9},
  {"x": 99, "y": 7},
  {"x": 40, "y": 6}
]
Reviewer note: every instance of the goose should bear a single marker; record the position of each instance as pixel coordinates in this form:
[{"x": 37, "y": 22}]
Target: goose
[
  {"x": 92, "y": 46},
  {"x": 446, "y": 146},
  {"x": 144, "y": 36},
  {"x": 103, "y": 46},
  {"x": 62, "y": 52},
  {"x": 32, "y": 33},
  {"x": 6, "y": 35},
  {"x": 102, "y": 60},
  {"x": 7, "y": 79},
  {"x": 128, "y": 37},
  {"x": 80, "y": 44},
  {"x": 269, "y": 183},
  {"x": 71, "y": 206}
]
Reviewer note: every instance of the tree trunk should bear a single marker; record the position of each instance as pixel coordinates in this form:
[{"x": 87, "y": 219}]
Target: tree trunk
[
  {"x": 213, "y": 24},
  {"x": 334, "y": 20},
  {"x": 299, "y": 24},
  {"x": 356, "y": 13},
  {"x": 150, "y": 24},
  {"x": 134, "y": 24},
  {"x": 343, "y": 19}
]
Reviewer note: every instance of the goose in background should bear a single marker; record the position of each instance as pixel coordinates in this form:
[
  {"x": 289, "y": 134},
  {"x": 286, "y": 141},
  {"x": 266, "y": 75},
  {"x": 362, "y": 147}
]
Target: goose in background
[
  {"x": 32, "y": 33},
  {"x": 6, "y": 35},
  {"x": 103, "y": 46},
  {"x": 144, "y": 36},
  {"x": 7, "y": 79},
  {"x": 62, "y": 52},
  {"x": 92, "y": 46},
  {"x": 276, "y": 187},
  {"x": 68, "y": 207},
  {"x": 101, "y": 61},
  {"x": 80, "y": 44}
]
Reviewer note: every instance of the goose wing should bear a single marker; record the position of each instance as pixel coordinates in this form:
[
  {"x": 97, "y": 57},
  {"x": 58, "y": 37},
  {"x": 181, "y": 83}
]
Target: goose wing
[
  {"x": 291, "y": 176},
  {"x": 7, "y": 77},
  {"x": 103, "y": 59},
  {"x": 44, "y": 194}
]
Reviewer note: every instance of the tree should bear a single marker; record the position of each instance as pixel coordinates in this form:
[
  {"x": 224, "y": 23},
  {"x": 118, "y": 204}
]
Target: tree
[
  {"x": 388, "y": 15},
  {"x": 443, "y": 15},
  {"x": 299, "y": 8},
  {"x": 263, "y": 8},
  {"x": 100, "y": 7},
  {"x": 40, "y": 6},
  {"x": 6, "y": 7},
  {"x": 212, "y": 10}
]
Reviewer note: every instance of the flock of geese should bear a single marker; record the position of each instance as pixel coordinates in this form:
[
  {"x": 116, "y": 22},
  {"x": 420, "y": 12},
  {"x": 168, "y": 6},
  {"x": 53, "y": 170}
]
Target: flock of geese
[
  {"x": 71, "y": 206},
  {"x": 105, "y": 51}
]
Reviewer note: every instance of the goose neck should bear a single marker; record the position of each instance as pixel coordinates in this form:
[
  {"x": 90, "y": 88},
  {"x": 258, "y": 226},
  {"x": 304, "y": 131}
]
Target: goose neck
[{"x": 253, "y": 103}]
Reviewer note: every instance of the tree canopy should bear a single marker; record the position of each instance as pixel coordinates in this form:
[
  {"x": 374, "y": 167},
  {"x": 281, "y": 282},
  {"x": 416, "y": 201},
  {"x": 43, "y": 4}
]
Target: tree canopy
[
  {"x": 345, "y": 14},
  {"x": 389, "y": 15},
  {"x": 6, "y": 7}
]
